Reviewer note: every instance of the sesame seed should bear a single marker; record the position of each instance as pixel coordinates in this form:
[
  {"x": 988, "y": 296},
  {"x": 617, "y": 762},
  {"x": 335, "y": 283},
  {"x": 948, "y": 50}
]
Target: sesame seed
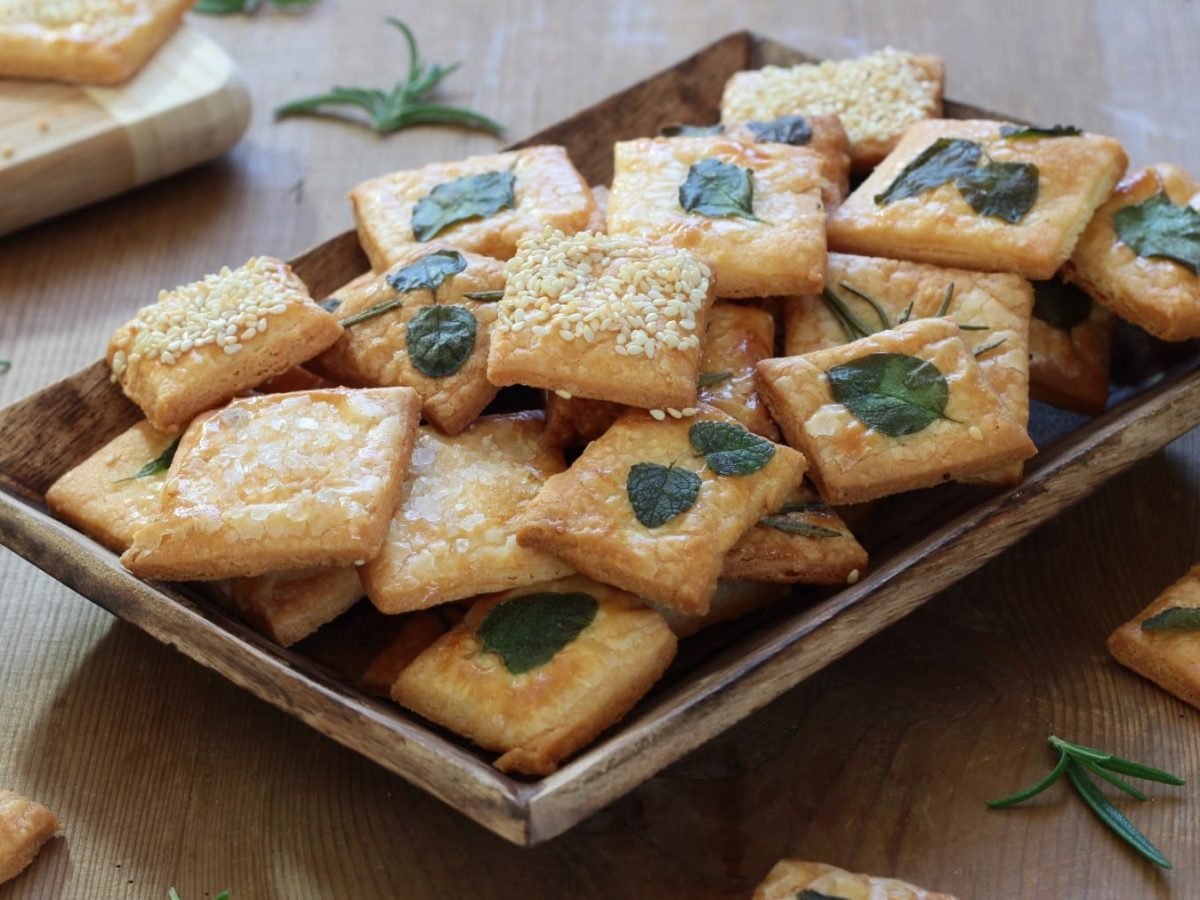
[
  {"x": 975, "y": 432},
  {"x": 852, "y": 578},
  {"x": 689, "y": 411},
  {"x": 566, "y": 395},
  {"x": 674, "y": 413},
  {"x": 658, "y": 414}
]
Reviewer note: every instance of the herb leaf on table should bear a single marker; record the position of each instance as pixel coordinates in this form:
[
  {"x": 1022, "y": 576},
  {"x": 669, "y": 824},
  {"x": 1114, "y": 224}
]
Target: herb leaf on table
[{"x": 407, "y": 103}]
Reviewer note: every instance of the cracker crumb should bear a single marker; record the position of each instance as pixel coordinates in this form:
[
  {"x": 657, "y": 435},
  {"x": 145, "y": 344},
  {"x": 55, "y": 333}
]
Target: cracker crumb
[
  {"x": 975, "y": 432},
  {"x": 852, "y": 578}
]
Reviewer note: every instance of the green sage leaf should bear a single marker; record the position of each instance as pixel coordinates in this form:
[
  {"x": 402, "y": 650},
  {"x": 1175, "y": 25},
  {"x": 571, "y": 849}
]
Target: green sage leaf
[
  {"x": 679, "y": 129},
  {"x": 942, "y": 161},
  {"x": 1001, "y": 190},
  {"x": 718, "y": 189},
  {"x": 428, "y": 272},
  {"x": 708, "y": 379},
  {"x": 440, "y": 339},
  {"x": 484, "y": 296},
  {"x": 730, "y": 449},
  {"x": 160, "y": 463},
  {"x": 660, "y": 493},
  {"x": 527, "y": 631},
  {"x": 1177, "y": 618},
  {"x": 893, "y": 393},
  {"x": 469, "y": 197},
  {"x": 1156, "y": 227},
  {"x": 1060, "y": 304},
  {"x": 1019, "y": 132},
  {"x": 793, "y": 130}
]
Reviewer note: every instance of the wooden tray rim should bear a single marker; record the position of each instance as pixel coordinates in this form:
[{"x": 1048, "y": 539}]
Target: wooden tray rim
[{"x": 743, "y": 677}]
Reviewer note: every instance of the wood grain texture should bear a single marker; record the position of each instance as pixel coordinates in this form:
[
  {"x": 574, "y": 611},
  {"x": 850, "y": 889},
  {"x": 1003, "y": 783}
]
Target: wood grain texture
[
  {"x": 881, "y": 762},
  {"x": 64, "y": 146}
]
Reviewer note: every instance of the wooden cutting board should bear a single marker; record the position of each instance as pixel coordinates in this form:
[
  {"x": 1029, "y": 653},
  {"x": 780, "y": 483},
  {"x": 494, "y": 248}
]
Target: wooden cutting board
[{"x": 65, "y": 146}]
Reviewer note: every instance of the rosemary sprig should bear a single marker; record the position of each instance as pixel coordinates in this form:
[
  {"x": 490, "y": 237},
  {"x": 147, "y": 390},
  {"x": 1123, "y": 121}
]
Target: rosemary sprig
[
  {"x": 371, "y": 312},
  {"x": 173, "y": 894},
  {"x": 484, "y": 296},
  {"x": 875, "y": 304},
  {"x": 945, "y": 307},
  {"x": 1076, "y": 761},
  {"x": 708, "y": 379},
  {"x": 853, "y": 327},
  {"x": 406, "y": 105},
  {"x": 989, "y": 346}
]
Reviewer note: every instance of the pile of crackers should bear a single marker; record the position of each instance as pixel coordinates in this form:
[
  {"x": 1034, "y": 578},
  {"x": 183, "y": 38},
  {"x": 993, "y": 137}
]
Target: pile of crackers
[{"x": 727, "y": 344}]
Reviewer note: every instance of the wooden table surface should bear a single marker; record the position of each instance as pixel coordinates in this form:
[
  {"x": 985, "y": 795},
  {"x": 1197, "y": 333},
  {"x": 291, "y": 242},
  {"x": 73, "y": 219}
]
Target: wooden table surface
[{"x": 165, "y": 775}]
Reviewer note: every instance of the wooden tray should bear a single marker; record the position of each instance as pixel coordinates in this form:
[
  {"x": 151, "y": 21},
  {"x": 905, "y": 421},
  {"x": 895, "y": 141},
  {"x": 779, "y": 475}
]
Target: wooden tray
[
  {"x": 63, "y": 146},
  {"x": 723, "y": 674}
]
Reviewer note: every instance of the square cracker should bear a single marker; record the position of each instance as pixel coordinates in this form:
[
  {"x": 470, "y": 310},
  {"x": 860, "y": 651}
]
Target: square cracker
[
  {"x": 792, "y": 878},
  {"x": 83, "y": 41},
  {"x": 1168, "y": 658},
  {"x": 852, "y": 462},
  {"x": 1068, "y": 366},
  {"x": 735, "y": 339},
  {"x": 539, "y": 717},
  {"x": 585, "y": 516},
  {"x": 809, "y": 544},
  {"x": 738, "y": 337},
  {"x": 876, "y": 97},
  {"x": 828, "y": 138},
  {"x": 1154, "y": 293},
  {"x": 25, "y": 826},
  {"x": 993, "y": 309},
  {"x": 289, "y": 606},
  {"x": 453, "y": 534},
  {"x": 609, "y": 318},
  {"x": 732, "y": 600},
  {"x": 782, "y": 252},
  {"x": 548, "y": 192},
  {"x": 205, "y": 342},
  {"x": 1075, "y": 175},
  {"x": 281, "y": 481},
  {"x": 102, "y": 498},
  {"x": 374, "y": 352}
]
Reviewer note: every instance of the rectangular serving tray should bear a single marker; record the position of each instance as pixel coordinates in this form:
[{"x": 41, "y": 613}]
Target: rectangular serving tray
[{"x": 722, "y": 675}]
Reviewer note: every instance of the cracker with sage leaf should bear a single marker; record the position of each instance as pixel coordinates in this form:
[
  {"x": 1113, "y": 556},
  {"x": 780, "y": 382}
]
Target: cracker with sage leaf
[
  {"x": 867, "y": 294},
  {"x": 483, "y": 204},
  {"x": 804, "y": 541},
  {"x": 609, "y": 318},
  {"x": 289, "y": 606},
  {"x": 537, "y": 673},
  {"x": 653, "y": 506},
  {"x": 793, "y": 879},
  {"x": 84, "y": 41},
  {"x": 876, "y": 97},
  {"x": 390, "y": 337},
  {"x": 1140, "y": 254},
  {"x": 821, "y": 134},
  {"x": 753, "y": 212},
  {"x": 203, "y": 343},
  {"x": 961, "y": 193},
  {"x": 274, "y": 482},
  {"x": 895, "y": 411},
  {"x": 1070, "y": 348},
  {"x": 117, "y": 489},
  {"x": 453, "y": 535},
  {"x": 1161, "y": 642}
]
